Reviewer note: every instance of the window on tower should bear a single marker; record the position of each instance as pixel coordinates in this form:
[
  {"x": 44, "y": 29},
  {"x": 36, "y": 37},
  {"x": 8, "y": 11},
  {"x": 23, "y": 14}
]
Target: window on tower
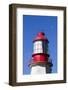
[{"x": 38, "y": 47}]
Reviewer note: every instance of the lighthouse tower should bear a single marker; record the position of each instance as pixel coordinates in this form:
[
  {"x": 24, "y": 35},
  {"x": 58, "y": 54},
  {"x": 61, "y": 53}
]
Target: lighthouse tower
[{"x": 40, "y": 62}]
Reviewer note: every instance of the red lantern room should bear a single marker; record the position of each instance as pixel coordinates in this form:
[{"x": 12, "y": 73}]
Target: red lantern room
[
  {"x": 40, "y": 58},
  {"x": 40, "y": 49}
]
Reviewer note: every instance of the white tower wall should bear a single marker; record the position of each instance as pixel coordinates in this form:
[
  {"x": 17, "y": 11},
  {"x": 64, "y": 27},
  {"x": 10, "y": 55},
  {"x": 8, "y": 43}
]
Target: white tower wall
[{"x": 37, "y": 69}]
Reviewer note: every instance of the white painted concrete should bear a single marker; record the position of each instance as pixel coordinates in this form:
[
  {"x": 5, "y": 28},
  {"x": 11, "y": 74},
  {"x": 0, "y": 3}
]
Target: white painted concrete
[{"x": 38, "y": 70}]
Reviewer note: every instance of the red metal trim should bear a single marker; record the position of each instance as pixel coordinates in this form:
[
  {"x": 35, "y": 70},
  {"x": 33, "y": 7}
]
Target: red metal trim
[
  {"x": 40, "y": 54},
  {"x": 40, "y": 58}
]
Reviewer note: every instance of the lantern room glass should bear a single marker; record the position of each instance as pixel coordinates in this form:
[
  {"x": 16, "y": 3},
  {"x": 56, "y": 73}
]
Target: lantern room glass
[
  {"x": 45, "y": 47},
  {"x": 40, "y": 47}
]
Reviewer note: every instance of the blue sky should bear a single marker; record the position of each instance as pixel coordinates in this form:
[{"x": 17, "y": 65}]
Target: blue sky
[{"x": 31, "y": 26}]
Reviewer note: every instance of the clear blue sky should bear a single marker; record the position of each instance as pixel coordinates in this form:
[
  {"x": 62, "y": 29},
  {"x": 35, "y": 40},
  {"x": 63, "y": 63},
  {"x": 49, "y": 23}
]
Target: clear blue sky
[{"x": 33, "y": 25}]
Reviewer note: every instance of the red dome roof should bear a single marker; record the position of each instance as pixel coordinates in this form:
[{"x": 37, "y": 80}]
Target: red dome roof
[{"x": 41, "y": 36}]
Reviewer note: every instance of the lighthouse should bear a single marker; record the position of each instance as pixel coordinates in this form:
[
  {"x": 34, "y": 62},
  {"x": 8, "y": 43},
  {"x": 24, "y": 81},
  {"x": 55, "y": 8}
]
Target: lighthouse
[{"x": 40, "y": 62}]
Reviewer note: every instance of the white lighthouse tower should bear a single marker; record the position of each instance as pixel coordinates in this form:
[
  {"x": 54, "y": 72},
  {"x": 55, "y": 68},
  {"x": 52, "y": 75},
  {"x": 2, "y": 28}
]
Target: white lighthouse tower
[{"x": 40, "y": 63}]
